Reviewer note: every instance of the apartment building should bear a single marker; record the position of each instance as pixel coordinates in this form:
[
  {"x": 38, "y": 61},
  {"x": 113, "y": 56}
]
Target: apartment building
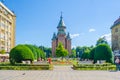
[{"x": 7, "y": 28}]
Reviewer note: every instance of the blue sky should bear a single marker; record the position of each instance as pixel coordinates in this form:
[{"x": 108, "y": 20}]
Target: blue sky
[{"x": 86, "y": 20}]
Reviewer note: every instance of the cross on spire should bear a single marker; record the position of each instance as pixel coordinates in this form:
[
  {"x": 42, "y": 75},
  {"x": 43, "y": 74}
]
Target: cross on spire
[{"x": 61, "y": 14}]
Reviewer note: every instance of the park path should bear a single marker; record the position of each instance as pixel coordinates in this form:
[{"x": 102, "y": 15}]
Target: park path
[
  {"x": 63, "y": 68},
  {"x": 59, "y": 73}
]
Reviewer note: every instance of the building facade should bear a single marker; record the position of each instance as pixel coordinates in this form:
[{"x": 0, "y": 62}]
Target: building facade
[
  {"x": 7, "y": 28},
  {"x": 61, "y": 37},
  {"x": 115, "y": 30}
]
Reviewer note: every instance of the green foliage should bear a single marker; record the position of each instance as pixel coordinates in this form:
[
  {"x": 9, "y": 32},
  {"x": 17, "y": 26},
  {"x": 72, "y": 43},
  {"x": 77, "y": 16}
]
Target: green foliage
[
  {"x": 40, "y": 53},
  {"x": 2, "y": 52},
  {"x": 83, "y": 52},
  {"x": 86, "y": 54},
  {"x": 80, "y": 51},
  {"x": 92, "y": 52},
  {"x": 33, "y": 49},
  {"x": 103, "y": 52},
  {"x": 105, "y": 66},
  {"x": 36, "y": 52},
  {"x": 101, "y": 41},
  {"x": 19, "y": 66},
  {"x": 20, "y": 53},
  {"x": 73, "y": 55},
  {"x": 47, "y": 50},
  {"x": 61, "y": 51}
]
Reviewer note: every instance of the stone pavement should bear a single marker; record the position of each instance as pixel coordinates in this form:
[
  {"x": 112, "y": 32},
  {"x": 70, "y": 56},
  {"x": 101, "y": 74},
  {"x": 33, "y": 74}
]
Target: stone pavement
[{"x": 59, "y": 73}]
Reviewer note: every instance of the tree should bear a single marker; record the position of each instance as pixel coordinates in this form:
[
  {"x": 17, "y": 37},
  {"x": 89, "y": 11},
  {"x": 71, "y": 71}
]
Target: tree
[
  {"x": 40, "y": 52},
  {"x": 103, "y": 52},
  {"x": 79, "y": 51},
  {"x": 73, "y": 55},
  {"x": 47, "y": 50},
  {"x": 33, "y": 49},
  {"x": 92, "y": 53},
  {"x": 101, "y": 41},
  {"x": 86, "y": 54},
  {"x": 20, "y": 53},
  {"x": 61, "y": 51}
]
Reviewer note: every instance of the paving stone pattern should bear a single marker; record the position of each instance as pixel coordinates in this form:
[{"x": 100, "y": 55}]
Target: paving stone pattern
[{"x": 59, "y": 73}]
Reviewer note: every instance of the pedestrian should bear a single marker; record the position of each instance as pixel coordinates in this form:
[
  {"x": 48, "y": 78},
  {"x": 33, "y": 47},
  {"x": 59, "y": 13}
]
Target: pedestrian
[
  {"x": 117, "y": 63},
  {"x": 49, "y": 60}
]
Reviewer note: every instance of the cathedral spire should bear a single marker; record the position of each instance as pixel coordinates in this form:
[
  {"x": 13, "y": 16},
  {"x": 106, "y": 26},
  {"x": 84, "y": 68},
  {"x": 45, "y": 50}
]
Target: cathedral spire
[
  {"x": 68, "y": 36},
  {"x": 61, "y": 26},
  {"x": 61, "y": 22},
  {"x": 54, "y": 36}
]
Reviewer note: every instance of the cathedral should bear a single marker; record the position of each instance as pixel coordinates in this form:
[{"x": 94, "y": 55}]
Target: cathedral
[{"x": 62, "y": 37}]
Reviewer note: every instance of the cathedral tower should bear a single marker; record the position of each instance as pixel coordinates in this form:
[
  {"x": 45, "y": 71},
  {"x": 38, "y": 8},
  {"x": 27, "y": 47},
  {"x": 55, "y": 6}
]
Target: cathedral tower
[{"x": 61, "y": 37}]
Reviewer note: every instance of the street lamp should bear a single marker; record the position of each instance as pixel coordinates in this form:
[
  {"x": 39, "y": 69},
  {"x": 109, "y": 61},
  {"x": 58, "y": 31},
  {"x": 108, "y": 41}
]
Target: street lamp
[{"x": 78, "y": 55}]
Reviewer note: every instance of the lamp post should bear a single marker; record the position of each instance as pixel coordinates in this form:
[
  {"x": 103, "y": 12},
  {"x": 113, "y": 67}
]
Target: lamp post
[{"x": 78, "y": 55}]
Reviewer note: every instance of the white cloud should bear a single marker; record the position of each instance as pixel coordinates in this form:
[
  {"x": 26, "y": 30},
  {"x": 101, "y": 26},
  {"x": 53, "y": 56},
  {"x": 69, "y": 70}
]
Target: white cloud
[
  {"x": 26, "y": 42},
  {"x": 107, "y": 37},
  {"x": 74, "y": 35},
  {"x": 92, "y": 30},
  {"x": 73, "y": 46}
]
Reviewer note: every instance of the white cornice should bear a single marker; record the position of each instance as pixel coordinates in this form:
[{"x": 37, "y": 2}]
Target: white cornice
[{"x": 7, "y": 9}]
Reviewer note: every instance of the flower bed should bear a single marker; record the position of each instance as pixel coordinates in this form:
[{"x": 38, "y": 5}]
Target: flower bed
[{"x": 61, "y": 63}]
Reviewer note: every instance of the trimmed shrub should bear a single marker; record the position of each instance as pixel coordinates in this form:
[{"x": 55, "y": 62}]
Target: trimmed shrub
[
  {"x": 20, "y": 53},
  {"x": 106, "y": 66},
  {"x": 26, "y": 67},
  {"x": 103, "y": 52},
  {"x": 33, "y": 49},
  {"x": 40, "y": 53}
]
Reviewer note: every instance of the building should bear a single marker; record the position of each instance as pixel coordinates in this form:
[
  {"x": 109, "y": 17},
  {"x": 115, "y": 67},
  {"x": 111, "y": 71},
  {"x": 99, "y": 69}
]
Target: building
[
  {"x": 61, "y": 37},
  {"x": 7, "y": 28},
  {"x": 115, "y": 30}
]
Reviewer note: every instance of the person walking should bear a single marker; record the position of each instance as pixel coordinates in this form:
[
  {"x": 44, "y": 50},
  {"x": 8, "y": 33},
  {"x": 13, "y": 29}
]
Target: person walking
[{"x": 117, "y": 63}]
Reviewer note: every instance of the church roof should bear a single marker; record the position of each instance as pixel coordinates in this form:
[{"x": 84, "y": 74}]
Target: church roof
[
  {"x": 117, "y": 22},
  {"x": 54, "y": 37},
  {"x": 61, "y": 22},
  {"x": 68, "y": 36}
]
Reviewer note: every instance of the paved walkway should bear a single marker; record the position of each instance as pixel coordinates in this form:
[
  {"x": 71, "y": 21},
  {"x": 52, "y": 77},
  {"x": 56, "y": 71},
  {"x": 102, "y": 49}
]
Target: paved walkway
[{"x": 59, "y": 73}]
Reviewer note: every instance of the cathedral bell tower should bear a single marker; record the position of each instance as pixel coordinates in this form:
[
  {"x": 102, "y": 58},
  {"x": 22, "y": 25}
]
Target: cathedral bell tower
[{"x": 61, "y": 37}]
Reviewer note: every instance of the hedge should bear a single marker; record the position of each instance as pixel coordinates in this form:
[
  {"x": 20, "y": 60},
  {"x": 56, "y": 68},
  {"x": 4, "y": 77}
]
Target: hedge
[
  {"x": 94, "y": 67},
  {"x": 26, "y": 67}
]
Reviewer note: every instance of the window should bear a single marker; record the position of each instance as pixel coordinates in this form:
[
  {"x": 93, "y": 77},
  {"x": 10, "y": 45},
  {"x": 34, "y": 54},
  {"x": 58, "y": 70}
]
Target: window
[{"x": 116, "y": 29}]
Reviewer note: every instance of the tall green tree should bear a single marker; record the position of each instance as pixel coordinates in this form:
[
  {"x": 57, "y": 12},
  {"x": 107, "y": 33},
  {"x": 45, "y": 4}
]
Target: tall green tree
[
  {"x": 103, "y": 52},
  {"x": 92, "y": 53},
  {"x": 79, "y": 51},
  {"x": 40, "y": 52},
  {"x": 61, "y": 51},
  {"x": 101, "y": 41},
  {"x": 73, "y": 55},
  {"x": 47, "y": 50},
  {"x": 86, "y": 53}
]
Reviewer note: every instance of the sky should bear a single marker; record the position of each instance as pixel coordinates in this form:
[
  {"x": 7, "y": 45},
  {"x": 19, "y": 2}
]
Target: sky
[{"x": 86, "y": 20}]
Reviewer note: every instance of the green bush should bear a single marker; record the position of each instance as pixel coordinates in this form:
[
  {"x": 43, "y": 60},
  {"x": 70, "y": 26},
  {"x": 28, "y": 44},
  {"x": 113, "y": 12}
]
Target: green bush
[
  {"x": 106, "y": 66},
  {"x": 40, "y": 53},
  {"x": 19, "y": 66},
  {"x": 33, "y": 49},
  {"x": 103, "y": 52},
  {"x": 25, "y": 68},
  {"x": 20, "y": 53}
]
